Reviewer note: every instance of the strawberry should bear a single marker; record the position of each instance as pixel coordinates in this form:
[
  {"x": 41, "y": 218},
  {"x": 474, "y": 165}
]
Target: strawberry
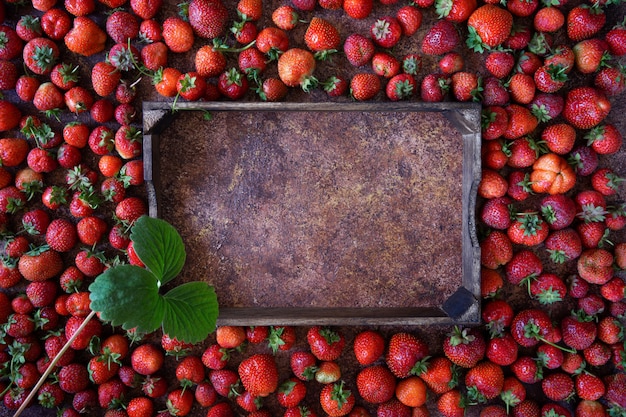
[
  {"x": 386, "y": 31},
  {"x": 494, "y": 120},
  {"x": 250, "y": 402},
  {"x": 404, "y": 352},
  {"x": 281, "y": 338},
  {"x": 489, "y": 26},
  {"x": 86, "y": 37},
  {"x": 548, "y": 19},
  {"x": 190, "y": 371},
  {"x": 563, "y": 245},
  {"x": 528, "y": 229},
  {"x": 335, "y": 86},
  {"x": 259, "y": 374},
  {"x": 484, "y": 381},
  {"x": 285, "y": 17},
  {"x": 40, "y": 55},
  {"x": 452, "y": 404},
  {"x": 13, "y": 151},
  {"x": 584, "y": 160},
  {"x": 531, "y": 326},
  {"x": 304, "y": 365},
  {"x": 590, "y": 55},
  {"x": 291, "y": 392},
  {"x": 594, "y": 266},
  {"x": 550, "y": 78},
  {"x": 491, "y": 283},
  {"x": 434, "y": 87},
  {"x": 328, "y": 372},
  {"x": 585, "y": 107},
  {"x": 558, "y": 386},
  {"x": 358, "y": 9},
  {"x": 8, "y": 80},
  {"x": 578, "y": 330},
  {"x": 492, "y": 184},
  {"x": 208, "y": 17},
  {"x": 611, "y": 81},
  {"x": 438, "y": 374},
  {"x": 224, "y": 381},
  {"x": 335, "y": 400},
  {"x": 368, "y": 346},
  {"x": 296, "y": 67},
  {"x": 358, "y": 49},
  {"x": 584, "y": 21},
  {"x": 465, "y": 347},
  {"x": 230, "y": 337},
  {"x": 440, "y": 38},
  {"x": 364, "y": 86},
  {"x": 111, "y": 393},
  {"x": 500, "y": 63},
  {"x": 501, "y": 350},
  {"x": 73, "y": 378},
  {"x": 496, "y": 250},
  {"x": 325, "y": 344},
  {"x": 209, "y": 61},
  {"x": 466, "y": 86},
  {"x": 205, "y": 394},
  {"x": 92, "y": 329},
  {"x": 385, "y": 64},
  {"x": 604, "y": 139},
  {"x": 521, "y": 121},
  {"x": 449, "y": 64},
  {"x": 55, "y": 23},
  {"x": 559, "y": 138},
  {"x": 606, "y": 181},
  {"x": 614, "y": 290},
  {"x": 25, "y": 87},
  {"x": 456, "y": 11},
  {"x": 322, "y": 38},
  {"x": 40, "y": 264},
  {"x": 547, "y": 288},
  {"x": 147, "y": 359},
  {"x": 178, "y": 34},
  {"x": 104, "y": 78},
  {"x": 496, "y": 213},
  {"x": 410, "y": 19}
]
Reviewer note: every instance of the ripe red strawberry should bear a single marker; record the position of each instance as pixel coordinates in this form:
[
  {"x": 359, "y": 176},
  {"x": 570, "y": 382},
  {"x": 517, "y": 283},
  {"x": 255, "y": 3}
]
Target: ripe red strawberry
[
  {"x": 410, "y": 19},
  {"x": 531, "y": 326},
  {"x": 404, "y": 353},
  {"x": 489, "y": 26},
  {"x": 376, "y": 384},
  {"x": 224, "y": 381},
  {"x": 86, "y": 37},
  {"x": 364, "y": 86},
  {"x": 358, "y": 49},
  {"x": 496, "y": 250},
  {"x": 441, "y": 38},
  {"x": 455, "y": 10},
  {"x": 559, "y": 138},
  {"x": 563, "y": 245},
  {"x": 502, "y": 350},
  {"x": 590, "y": 55},
  {"x": 584, "y": 21},
  {"x": 322, "y": 37},
  {"x": 491, "y": 283},
  {"x": 325, "y": 344},
  {"x": 548, "y": 288},
  {"x": 452, "y": 404},
  {"x": 466, "y": 86},
  {"x": 386, "y": 31},
  {"x": 484, "y": 381},
  {"x": 584, "y": 160},
  {"x": 11, "y": 45},
  {"x": 606, "y": 181},
  {"x": 521, "y": 121},
  {"x": 291, "y": 392},
  {"x": 104, "y": 78},
  {"x": 578, "y": 330},
  {"x": 550, "y": 78},
  {"x": 190, "y": 371},
  {"x": 259, "y": 374},
  {"x": 358, "y": 9},
  {"x": 385, "y": 64},
  {"x": 91, "y": 329},
  {"x": 208, "y": 17},
  {"x": 61, "y": 235},
  {"x": 111, "y": 393},
  {"x": 40, "y": 264},
  {"x": 611, "y": 81},
  {"x": 528, "y": 229},
  {"x": 73, "y": 378},
  {"x": 296, "y": 67},
  {"x": 496, "y": 213},
  {"x": 178, "y": 34},
  {"x": 594, "y": 266},
  {"x": 434, "y": 87},
  {"x": 465, "y": 347},
  {"x": 548, "y": 19},
  {"x": 303, "y": 365},
  {"x": 147, "y": 359},
  {"x": 40, "y": 55},
  {"x": 604, "y": 139},
  {"x": 558, "y": 386},
  {"x": 336, "y": 400},
  {"x": 499, "y": 63},
  {"x": 585, "y": 107},
  {"x": 285, "y": 17}
]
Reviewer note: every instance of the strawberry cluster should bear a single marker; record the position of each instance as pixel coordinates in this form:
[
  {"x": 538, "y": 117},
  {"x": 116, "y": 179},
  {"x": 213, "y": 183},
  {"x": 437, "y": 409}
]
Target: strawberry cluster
[{"x": 550, "y": 205}]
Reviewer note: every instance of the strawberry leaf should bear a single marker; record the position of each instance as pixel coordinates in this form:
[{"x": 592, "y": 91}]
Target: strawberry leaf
[
  {"x": 128, "y": 296},
  {"x": 159, "y": 246},
  {"x": 191, "y": 311}
]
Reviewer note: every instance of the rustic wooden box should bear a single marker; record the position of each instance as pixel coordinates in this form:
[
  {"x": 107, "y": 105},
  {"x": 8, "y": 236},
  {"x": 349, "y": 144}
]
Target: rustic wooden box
[{"x": 323, "y": 213}]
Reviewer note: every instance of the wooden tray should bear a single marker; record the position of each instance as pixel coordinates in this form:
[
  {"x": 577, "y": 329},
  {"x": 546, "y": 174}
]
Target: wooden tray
[{"x": 323, "y": 213}]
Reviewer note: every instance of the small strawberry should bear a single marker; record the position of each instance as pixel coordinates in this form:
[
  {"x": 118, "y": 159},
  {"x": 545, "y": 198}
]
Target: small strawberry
[
  {"x": 336, "y": 400},
  {"x": 465, "y": 347},
  {"x": 364, "y": 86},
  {"x": 304, "y": 365},
  {"x": 208, "y": 17},
  {"x": 466, "y": 86},
  {"x": 500, "y": 63},
  {"x": 358, "y": 49},
  {"x": 178, "y": 34},
  {"x": 285, "y": 17},
  {"x": 434, "y": 87},
  {"x": 386, "y": 31},
  {"x": 322, "y": 38}
]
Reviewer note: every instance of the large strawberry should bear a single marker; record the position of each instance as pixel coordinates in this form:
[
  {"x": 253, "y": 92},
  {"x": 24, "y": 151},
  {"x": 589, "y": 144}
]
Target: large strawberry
[
  {"x": 322, "y": 37},
  {"x": 335, "y": 400},
  {"x": 40, "y": 264},
  {"x": 40, "y": 55},
  {"x": 404, "y": 352},
  {"x": 440, "y": 39},
  {"x": 585, "y": 107},
  {"x": 595, "y": 266},
  {"x": 376, "y": 384},
  {"x": 489, "y": 26},
  {"x": 86, "y": 37},
  {"x": 208, "y": 17},
  {"x": 259, "y": 374},
  {"x": 484, "y": 381},
  {"x": 296, "y": 67}
]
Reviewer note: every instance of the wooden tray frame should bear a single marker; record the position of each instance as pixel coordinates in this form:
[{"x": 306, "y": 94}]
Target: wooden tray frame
[{"x": 463, "y": 307}]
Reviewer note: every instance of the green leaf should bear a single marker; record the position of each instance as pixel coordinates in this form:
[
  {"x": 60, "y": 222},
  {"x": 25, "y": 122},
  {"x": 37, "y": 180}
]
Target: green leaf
[
  {"x": 159, "y": 246},
  {"x": 128, "y": 295},
  {"x": 191, "y": 312}
]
